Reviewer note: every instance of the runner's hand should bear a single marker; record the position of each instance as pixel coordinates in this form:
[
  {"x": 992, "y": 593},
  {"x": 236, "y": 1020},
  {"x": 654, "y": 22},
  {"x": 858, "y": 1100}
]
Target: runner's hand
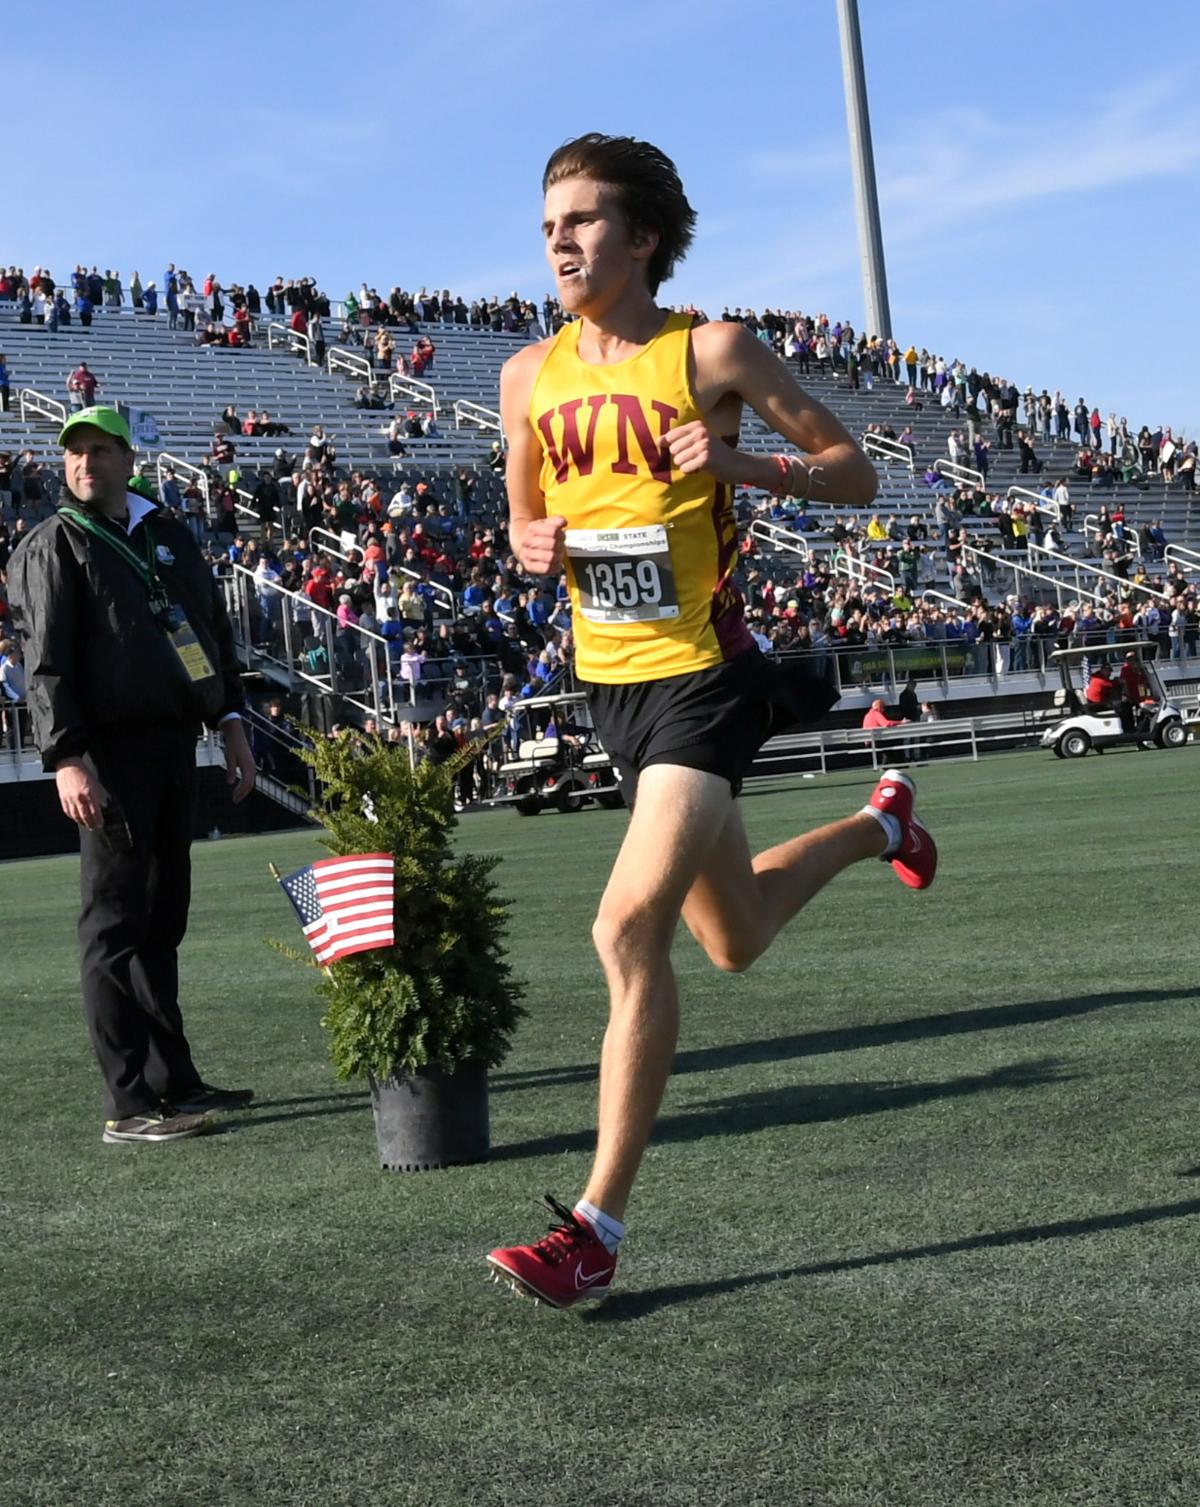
[
  {"x": 80, "y": 794},
  {"x": 694, "y": 447},
  {"x": 542, "y": 545}
]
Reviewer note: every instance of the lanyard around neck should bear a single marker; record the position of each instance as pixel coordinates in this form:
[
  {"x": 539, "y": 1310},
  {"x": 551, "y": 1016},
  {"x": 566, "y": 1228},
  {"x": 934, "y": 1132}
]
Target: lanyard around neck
[{"x": 143, "y": 567}]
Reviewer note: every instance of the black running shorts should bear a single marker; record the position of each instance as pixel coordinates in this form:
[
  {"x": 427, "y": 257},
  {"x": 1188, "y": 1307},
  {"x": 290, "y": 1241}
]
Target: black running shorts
[{"x": 715, "y": 720}]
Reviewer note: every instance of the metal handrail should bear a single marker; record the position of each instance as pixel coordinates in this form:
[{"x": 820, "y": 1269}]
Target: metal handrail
[
  {"x": 349, "y": 361},
  {"x": 377, "y": 698},
  {"x": 942, "y": 596},
  {"x": 41, "y": 406},
  {"x": 984, "y": 556},
  {"x": 951, "y": 737},
  {"x": 779, "y": 537},
  {"x": 889, "y": 449},
  {"x": 339, "y": 541},
  {"x": 1091, "y": 523},
  {"x": 466, "y": 412},
  {"x": 164, "y": 460},
  {"x": 1186, "y": 558},
  {"x": 411, "y": 387},
  {"x": 444, "y": 594},
  {"x": 1040, "y": 551},
  {"x": 952, "y": 471},
  {"x": 1036, "y": 500},
  {"x": 864, "y": 571},
  {"x": 294, "y": 340}
]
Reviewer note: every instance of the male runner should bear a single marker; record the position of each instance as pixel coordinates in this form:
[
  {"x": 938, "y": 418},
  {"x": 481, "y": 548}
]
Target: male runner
[{"x": 617, "y": 463}]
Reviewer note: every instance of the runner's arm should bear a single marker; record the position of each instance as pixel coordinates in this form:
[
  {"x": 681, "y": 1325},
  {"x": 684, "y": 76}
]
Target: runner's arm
[
  {"x": 729, "y": 359},
  {"x": 537, "y": 541}
]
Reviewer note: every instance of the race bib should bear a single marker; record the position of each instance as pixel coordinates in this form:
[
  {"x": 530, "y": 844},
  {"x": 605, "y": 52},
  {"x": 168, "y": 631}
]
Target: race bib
[{"x": 623, "y": 575}]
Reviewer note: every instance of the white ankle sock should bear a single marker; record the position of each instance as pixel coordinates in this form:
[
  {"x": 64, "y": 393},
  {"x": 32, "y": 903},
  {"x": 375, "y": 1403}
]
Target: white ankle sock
[
  {"x": 891, "y": 828},
  {"x": 609, "y": 1231}
]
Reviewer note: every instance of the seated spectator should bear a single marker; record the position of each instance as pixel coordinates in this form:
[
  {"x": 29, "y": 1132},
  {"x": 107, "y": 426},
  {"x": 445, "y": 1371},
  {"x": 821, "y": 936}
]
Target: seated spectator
[
  {"x": 936, "y": 481},
  {"x": 271, "y": 427},
  {"x": 1102, "y": 691}
]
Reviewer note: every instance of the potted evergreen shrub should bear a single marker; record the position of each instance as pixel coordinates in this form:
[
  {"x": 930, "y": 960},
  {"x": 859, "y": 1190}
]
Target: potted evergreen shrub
[{"x": 424, "y": 1018}]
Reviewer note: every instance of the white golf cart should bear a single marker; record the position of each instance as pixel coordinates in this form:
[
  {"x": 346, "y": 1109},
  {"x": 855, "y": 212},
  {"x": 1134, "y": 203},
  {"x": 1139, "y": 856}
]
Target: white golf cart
[
  {"x": 552, "y": 759},
  {"x": 1152, "y": 721}
]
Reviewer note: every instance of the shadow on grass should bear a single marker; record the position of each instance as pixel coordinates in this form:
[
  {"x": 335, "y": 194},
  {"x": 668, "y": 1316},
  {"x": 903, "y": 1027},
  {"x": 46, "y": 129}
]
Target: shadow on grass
[
  {"x": 350, "y": 1093},
  {"x": 800, "y": 1104},
  {"x": 310, "y": 1109},
  {"x": 637, "y": 1305},
  {"x": 857, "y": 1038}
]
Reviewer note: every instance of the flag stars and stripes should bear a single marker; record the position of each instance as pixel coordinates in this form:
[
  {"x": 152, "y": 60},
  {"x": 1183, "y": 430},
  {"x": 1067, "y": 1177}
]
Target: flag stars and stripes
[{"x": 344, "y": 904}]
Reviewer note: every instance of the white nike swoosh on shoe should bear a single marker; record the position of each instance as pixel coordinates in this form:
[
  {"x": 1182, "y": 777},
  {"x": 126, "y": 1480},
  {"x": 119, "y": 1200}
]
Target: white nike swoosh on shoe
[{"x": 582, "y": 1281}]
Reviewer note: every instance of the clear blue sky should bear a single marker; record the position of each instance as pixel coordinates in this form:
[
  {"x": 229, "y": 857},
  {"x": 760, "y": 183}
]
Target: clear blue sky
[{"x": 1037, "y": 159}]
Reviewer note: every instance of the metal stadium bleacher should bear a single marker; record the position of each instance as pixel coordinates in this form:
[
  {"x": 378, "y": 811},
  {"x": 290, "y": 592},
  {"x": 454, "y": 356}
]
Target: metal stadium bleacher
[{"x": 140, "y": 361}]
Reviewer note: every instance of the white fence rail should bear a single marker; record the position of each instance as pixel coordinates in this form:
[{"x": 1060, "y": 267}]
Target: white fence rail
[
  {"x": 165, "y": 462},
  {"x": 37, "y": 405},
  {"x": 353, "y": 362},
  {"x": 409, "y": 387},
  {"x": 888, "y": 449},
  {"x": 775, "y": 536},
  {"x": 466, "y": 412},
  {"x": 290, "y": 339},
  {"x": 965, "y": 476}
]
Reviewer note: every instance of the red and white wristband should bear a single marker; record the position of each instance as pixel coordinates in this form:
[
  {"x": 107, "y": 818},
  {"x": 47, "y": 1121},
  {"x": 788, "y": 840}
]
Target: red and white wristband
[{"x": 795, "y": 477}]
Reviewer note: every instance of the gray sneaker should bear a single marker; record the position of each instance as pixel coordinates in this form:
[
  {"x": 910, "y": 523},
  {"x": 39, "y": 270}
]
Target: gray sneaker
[{"x": 162, "y": 1124}]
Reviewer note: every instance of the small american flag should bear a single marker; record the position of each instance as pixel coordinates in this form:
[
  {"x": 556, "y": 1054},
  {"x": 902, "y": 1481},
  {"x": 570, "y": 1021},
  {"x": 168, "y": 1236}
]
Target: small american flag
[{"x": 344, "y": 904}]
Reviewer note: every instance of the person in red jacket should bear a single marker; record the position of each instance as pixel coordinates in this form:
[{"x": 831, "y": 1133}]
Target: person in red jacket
[
  {"x": 319, "y": 589},
  {"x": 1101, "y": 692},
  {"x": 877, "y": 717}
]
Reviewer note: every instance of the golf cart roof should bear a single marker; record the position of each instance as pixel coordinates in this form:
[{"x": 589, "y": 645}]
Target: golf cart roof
[
  {"x": 1072, "y": 656},
  {"x": 564, "y": 698}
]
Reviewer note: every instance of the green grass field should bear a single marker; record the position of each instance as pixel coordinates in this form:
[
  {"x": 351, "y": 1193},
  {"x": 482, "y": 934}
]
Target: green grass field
[{"x": 920, "y": 1225}]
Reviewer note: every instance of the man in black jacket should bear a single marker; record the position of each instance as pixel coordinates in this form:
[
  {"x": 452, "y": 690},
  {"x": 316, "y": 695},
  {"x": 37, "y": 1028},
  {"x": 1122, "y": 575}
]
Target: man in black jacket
[{"x": 128, "y": 651}]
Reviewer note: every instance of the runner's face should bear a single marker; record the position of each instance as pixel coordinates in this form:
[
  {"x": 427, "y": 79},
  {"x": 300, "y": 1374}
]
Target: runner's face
[
  {"x": 588, "y": 244},
  {"x": 98, "y": 468}
]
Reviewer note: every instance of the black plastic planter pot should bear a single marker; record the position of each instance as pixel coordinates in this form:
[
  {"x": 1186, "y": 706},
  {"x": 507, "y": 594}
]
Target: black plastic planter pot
[{"x": 431, "y": 1118}]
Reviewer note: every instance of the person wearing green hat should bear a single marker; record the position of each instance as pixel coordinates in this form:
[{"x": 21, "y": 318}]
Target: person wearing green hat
[{"x": 128, "y": 652}]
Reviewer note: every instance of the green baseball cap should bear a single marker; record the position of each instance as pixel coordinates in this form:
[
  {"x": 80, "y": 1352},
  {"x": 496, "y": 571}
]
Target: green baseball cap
[{"x": 99, "y": 417}]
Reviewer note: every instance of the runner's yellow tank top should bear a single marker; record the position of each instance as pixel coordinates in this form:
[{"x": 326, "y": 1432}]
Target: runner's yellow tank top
[{"x": 649, "y": 550}]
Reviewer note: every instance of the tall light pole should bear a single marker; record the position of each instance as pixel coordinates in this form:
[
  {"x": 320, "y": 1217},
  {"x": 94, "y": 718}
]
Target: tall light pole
[{"x": 858, "y": 123}]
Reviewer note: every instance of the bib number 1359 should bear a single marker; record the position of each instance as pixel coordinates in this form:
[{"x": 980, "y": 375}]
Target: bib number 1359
[{"x": 623, "y": 575}]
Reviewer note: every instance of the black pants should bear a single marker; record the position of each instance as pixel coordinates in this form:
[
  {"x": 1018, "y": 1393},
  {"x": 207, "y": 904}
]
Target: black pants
[{"x": 134, "y": 915}]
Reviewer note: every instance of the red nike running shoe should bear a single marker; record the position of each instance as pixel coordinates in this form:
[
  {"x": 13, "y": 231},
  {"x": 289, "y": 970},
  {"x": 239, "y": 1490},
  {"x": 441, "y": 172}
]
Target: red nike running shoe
[
  {"x": 915, "y": 861},
  {"x": 563, "y": 1268}
]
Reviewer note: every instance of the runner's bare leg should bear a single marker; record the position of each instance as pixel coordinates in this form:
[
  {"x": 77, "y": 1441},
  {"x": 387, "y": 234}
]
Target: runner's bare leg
[
  {"x": 686, "y": 849},
  {"x": 738, "y": 904}
]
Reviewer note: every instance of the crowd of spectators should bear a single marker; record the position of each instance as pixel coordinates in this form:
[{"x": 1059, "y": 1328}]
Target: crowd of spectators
[{"x": 406, "y": 550}]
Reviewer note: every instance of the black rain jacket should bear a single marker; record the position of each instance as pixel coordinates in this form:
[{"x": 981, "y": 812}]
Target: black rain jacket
[{"x": 95, "y": 658}]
